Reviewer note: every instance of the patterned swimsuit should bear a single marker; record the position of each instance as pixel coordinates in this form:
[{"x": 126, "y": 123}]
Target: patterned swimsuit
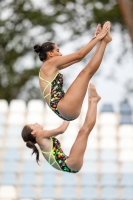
[
  {"x": 57, "y": 156},
  {"x": 56, "y": 93}
]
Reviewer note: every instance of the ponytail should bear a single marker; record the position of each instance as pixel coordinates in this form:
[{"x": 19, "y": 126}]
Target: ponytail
[{"x": 30, "y": 141}]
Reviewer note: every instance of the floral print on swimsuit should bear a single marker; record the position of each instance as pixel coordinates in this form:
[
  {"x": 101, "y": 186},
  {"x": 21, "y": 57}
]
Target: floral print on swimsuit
[
  {"x": 56, "y": 94},
  {"x": 60, "y": 157}
]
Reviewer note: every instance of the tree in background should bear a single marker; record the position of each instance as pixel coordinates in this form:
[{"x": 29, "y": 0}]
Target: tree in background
[{"x": 25, "y": 23}]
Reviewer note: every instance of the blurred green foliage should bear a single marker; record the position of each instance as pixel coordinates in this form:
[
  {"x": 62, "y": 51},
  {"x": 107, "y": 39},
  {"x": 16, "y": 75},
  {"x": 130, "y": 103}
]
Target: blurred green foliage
[{"x": 23, "y": 22}]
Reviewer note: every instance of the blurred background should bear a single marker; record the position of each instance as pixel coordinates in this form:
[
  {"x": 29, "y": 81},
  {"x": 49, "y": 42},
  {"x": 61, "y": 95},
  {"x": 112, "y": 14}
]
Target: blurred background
[{"x": 108, "y": 167}]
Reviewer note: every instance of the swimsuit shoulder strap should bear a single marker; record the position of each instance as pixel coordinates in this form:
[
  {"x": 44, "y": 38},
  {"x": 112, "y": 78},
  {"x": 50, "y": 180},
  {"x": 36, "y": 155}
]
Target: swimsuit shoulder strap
[
  {"x": 46, "y": 80},
  {"x": 50, "y": 153},
  {"x": 49, "y": 83}
]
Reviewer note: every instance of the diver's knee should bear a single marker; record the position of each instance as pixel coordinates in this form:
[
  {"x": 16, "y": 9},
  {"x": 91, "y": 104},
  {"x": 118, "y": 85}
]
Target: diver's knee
[{"x": 74, "y": 164}]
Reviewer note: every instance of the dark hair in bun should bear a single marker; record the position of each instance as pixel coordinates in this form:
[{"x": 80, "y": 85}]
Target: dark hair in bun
[
  {"x": 43, "y": 49},
  {"x": 37, "y": 48}
]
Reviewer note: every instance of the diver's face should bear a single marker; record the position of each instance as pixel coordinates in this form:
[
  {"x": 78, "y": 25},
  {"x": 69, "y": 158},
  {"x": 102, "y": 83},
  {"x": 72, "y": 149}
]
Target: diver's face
[
  {"x": 35, "y": 126},
  {"x": 56, "y": 51}
]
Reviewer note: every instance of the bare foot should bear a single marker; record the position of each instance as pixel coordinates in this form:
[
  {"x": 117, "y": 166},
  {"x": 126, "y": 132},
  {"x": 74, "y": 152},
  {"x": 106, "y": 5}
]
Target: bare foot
[
  {"x": 98, "y": 30},
  {"x": 108, "y": 37},
  {"x": 93, "y": 95}
]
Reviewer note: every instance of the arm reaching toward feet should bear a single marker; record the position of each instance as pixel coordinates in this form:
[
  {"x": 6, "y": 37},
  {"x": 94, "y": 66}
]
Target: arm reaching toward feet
[
  {"x": 60, "y": 130},
  {"x": 65, "y": 61}
]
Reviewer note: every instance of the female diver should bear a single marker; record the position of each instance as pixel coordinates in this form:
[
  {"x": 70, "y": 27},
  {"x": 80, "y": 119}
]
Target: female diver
[
  {"x": 68, "y": 105},
  {"x": 51, "y": 147}
]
